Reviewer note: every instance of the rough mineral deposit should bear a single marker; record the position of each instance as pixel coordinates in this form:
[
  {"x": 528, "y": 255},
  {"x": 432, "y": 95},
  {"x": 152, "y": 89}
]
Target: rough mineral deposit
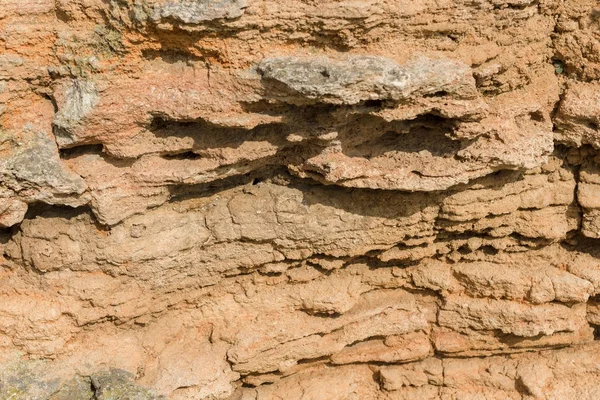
[{"x": 299, "y": 199}]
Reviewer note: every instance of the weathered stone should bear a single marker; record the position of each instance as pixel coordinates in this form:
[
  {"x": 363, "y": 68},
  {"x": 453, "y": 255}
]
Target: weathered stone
[
  {"x": 78, "y": 98},
  {"x": 378, "y": 314},
  {"x": 31, "y": 171},
  {"x": 418, "y": 374},
  {"x": 77, "y": 388},
  {"x": 343, "y": 382},
  {"x": 35, "y": 172},
  {"x": 578, "y": 116},
  {"x": 393, "y": 349},
  {"x": 12, "y": 211},
  {"x": 461, "y": 312},
  {"x": 478, "y": 343},
  {"x": 118, "y": 385},
  {"x": 198, "y": 11},
  {"x": 232, "y": 199},
  {"x": 21, "y": 380},
  {"x": 362, "y": 78}
]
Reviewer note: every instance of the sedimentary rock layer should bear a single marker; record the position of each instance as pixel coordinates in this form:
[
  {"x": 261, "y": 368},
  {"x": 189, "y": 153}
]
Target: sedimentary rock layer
[{"x": 256, "y": 199}]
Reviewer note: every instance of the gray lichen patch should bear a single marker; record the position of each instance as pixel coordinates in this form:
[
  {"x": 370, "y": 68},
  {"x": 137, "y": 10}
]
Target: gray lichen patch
[
  {"x": 362, "y": 78},
  {"x": 117, "y": 384},
  {"x": 35, "y": 165},
  {"x": 77, "y": 388},
  {"x": 79, "y": 99},
  {"x": 20, "y": 380},
  {"x": 85, "y": 53},
  {"x": 33, "y": 172},
  {"x": 198, "y": 11},
  {"x": 27, "y": 380},
  {"x": 108, "y": 41}
]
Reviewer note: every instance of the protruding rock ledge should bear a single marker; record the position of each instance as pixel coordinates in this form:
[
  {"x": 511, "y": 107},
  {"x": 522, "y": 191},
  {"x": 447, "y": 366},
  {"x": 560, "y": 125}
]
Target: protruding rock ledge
[
  {"x": 366, "y": 78},
  {"x": 198, "y": 11}
]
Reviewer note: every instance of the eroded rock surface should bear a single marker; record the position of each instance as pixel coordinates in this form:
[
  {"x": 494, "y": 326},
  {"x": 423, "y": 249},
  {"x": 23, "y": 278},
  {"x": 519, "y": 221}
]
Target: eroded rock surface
[{"x": 256, "y": 199}]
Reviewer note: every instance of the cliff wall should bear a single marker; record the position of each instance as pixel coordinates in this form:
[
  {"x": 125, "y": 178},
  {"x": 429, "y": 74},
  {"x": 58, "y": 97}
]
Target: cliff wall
[{"x": 300, "y": 199}]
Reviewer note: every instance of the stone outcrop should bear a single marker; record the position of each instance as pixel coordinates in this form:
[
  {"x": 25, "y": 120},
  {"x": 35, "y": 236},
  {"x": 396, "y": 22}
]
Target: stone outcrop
[{"x": 256, "y": 199}]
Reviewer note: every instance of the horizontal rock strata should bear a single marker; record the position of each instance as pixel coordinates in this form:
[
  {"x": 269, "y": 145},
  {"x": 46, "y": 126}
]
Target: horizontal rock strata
[{"x": 256, "y": 199}]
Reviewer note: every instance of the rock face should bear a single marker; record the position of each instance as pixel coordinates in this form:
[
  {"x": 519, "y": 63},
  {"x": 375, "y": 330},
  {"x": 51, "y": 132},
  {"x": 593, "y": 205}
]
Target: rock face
[{"x": 256, "y": 199}]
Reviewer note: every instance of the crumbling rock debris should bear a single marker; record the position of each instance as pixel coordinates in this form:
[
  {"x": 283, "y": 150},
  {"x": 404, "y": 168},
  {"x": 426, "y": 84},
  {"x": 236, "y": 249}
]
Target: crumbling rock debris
[{"x": 256, "y": 199}]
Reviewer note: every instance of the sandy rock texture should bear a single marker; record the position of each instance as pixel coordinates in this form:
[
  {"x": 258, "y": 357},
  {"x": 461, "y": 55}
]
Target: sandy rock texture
[{"x": 316, "y": 200}]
